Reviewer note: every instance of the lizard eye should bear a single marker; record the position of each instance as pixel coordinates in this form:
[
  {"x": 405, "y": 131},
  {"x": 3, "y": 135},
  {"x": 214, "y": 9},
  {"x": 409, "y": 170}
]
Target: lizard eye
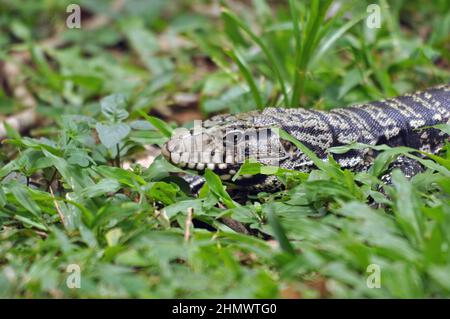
[{"x": 289, "y": 148}]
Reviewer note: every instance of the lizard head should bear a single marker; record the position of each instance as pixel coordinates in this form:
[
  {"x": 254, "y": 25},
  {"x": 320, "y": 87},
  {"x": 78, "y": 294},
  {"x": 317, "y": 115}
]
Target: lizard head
[{"x": 223, "y": 143}]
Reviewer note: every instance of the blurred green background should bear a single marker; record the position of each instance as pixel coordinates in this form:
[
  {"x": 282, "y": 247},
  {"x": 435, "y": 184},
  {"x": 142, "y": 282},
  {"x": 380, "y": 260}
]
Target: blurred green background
[
  {"x": 178, "y": 53},
  {"x": 184, "y": 60}
]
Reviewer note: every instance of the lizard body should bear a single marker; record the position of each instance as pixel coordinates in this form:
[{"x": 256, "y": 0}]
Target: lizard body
[{"x": 226, "y": 141}]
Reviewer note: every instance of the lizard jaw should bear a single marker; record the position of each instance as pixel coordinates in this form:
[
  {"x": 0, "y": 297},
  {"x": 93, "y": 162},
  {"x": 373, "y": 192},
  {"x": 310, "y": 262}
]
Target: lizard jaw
[
  {"x": 184, "y": 160},
  {"x": 223, "y": 153}
]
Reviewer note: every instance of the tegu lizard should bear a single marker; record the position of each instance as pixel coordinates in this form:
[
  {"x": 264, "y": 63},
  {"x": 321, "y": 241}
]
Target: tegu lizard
[{"x": 224, "y": 142}]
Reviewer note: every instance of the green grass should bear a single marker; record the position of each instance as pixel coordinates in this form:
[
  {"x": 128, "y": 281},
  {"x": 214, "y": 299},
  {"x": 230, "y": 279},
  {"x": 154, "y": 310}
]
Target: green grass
[{"x": 65, "y": 198}]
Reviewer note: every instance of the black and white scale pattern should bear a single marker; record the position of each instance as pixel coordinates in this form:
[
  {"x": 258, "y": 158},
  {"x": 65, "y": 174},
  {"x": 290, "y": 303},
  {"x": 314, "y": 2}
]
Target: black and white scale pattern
[
  {"x": 393, "y": 122},
  {"x": 399, "y": 121}
]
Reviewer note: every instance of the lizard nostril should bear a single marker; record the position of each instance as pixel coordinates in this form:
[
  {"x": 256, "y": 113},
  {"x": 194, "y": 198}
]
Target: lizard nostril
[
  {"x": 165, "y": 152},
  {"x": 171, "y": 145}
]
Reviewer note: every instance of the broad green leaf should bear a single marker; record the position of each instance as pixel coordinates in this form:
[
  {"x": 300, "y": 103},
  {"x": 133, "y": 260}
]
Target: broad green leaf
[
  {"x": 183, "y": 206},
  {"x": 32, "y": 223},
  {"x": 23, "y": 197},
  {"x": 104, "y": 186},
  {"x": 124, "y": 176},
  {"x": 163, "y": 192},
  {"x": 114, "y": 107},
  {"x": 112, "y": 134},
  {"x": 77, "y": 178}
]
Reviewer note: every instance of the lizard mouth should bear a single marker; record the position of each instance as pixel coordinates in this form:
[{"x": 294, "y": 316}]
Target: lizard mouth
[
  {"x": 214, "y": 161},
  {"x": 223, "y": 152}
]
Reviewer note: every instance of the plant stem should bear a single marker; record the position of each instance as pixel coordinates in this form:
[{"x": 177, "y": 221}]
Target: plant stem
[
  {"x": 118, "y": 155},
  {"x": 49, "y": 183}
]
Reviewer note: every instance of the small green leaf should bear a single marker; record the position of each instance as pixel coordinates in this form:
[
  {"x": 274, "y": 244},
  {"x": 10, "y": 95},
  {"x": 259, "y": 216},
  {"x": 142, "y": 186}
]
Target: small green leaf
[
  {"x": 11, "y": 132},
  {"x": 112, "y": 134},
  {"x": 113, "y": 236},
  {"x": 162, "y": 126},
  {"x": 215, "y": 185},
  {"x": 114, "y": 107},
  {"x": 106, "y": 185}
]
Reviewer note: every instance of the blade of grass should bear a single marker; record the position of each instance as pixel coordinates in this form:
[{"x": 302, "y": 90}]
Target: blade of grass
[
  {"x": 331, "y": 169},
  {"x": 309, "y": 41},
  {"x": 328, "y": 43},
  {"x": 162, "y": 126},
  {"x": 407, "y": 211},
  {"x": 246, "y": 73},
  {"x": 278, "y": 230},
  {"x": 380, "y": 74},
  {"x": 274, "y": 63},
  {"x": 215, "y": 52},
  {"x": 298, "y": 49}
]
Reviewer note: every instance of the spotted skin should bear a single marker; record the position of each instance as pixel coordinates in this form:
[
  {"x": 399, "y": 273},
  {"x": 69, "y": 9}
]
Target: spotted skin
[{"x": 399, "y": 121}]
